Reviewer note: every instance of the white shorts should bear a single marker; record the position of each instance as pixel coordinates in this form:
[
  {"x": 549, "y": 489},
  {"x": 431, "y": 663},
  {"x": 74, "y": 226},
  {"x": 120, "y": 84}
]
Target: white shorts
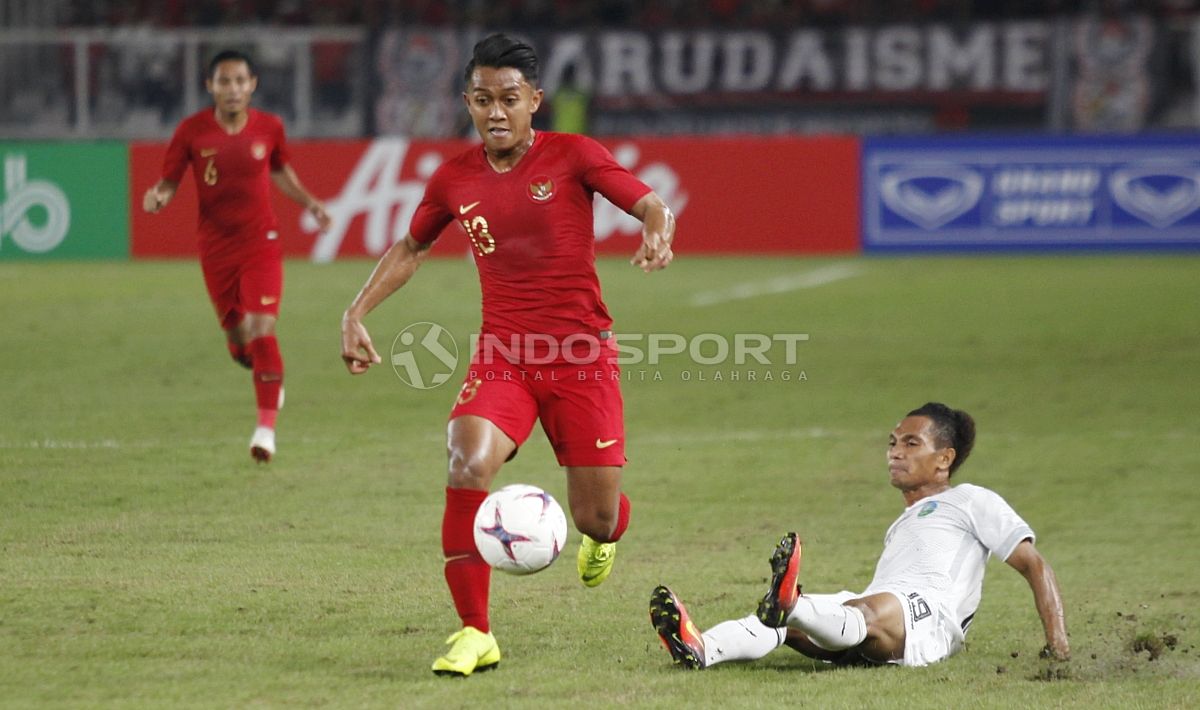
[{"x": 930, "y": 631}]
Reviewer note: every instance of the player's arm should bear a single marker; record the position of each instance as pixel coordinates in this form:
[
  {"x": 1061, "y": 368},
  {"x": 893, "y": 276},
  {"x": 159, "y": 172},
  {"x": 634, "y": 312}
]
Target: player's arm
[
  {"x": 1036, "y": 570},
  {"x": 289, "y": 184},
  {"x": 658, "y": 232},
  {"x": 394, "y": 270},
  {"x": 159, "y": 195}
]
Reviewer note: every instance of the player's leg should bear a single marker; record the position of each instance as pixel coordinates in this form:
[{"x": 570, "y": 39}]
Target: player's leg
[
  {"x": 583, "y": 416},
  {"x": 260, "y": 288},
  {"x": 601, "y": 513},
  {"x": 744, "y": 639},
  {"x": 832, "y": 622},
  {"x": 799, "y": 641},
  {"x": 258, "y": 331},
  {"x": 221, "y": 279},
  {"x": 490, "y": 419},
  {"x": 884, "y": 618},
  {"x": 236, "y": 346}
]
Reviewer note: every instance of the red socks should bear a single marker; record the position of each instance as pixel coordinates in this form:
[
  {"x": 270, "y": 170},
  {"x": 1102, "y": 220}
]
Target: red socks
[
  {"x": 268, "y": 377},
  {"x": 467, "y": 575},
  {"x": 622, "y": 519}
]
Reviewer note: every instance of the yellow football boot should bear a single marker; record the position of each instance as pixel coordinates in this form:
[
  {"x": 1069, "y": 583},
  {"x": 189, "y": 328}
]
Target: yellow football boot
[
  {"x": 471, "y": 651},
  {"x": 595, "y": 560}
]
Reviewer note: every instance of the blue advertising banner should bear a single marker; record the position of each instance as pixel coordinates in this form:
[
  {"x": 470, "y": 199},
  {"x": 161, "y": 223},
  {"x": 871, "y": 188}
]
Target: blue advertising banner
[{"x": 1031, "y": 192}]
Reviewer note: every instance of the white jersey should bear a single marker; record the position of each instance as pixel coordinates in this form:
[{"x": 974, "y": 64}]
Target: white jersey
[{"x": 940, "y": 546}]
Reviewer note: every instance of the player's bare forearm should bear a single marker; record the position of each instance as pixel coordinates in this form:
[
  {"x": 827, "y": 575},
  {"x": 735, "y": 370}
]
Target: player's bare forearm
[
  {"x": 289, "y": 184},
  {"x": 658, "y": 233},
  {"x": 393, "y": 271},
  {"x": 1046, "y": 596},
  {"x": 159, "y": 196}
]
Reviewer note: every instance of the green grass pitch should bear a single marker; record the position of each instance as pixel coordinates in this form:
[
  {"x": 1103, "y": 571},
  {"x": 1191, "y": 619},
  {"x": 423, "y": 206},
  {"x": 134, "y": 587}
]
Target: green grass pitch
[{"x": 146, "y": 561}]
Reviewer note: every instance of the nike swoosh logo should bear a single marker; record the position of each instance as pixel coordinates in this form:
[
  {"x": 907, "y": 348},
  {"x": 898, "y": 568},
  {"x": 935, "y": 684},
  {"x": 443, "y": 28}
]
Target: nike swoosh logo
[
  {"x": 455, "y": 557},
  {"x": 268, "y": 300},
  {"x": 463, "y": 209},
  {"x": 605, "y": 444},
  {"x": 207, "y": 152}
]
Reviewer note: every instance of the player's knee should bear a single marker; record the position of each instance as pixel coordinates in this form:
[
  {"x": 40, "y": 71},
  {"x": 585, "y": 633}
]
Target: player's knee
[
  {"x": 254, "y": 327},
  {"x": 466, "y": 470}
]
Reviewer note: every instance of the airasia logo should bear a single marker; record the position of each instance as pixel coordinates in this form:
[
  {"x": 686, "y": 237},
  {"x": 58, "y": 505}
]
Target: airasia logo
[{"x": 376, "y": 190}]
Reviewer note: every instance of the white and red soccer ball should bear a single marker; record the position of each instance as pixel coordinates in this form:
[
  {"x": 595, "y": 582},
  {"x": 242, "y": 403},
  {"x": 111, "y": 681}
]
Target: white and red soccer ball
[{"x": 520, "y": 529}]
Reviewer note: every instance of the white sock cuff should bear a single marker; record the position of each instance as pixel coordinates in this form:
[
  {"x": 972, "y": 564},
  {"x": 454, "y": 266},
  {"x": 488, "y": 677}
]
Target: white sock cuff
[{"x": 828, "y": 623}]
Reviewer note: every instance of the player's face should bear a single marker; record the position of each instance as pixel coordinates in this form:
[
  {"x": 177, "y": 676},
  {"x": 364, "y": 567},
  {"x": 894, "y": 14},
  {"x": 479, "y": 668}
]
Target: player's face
[
  {"x": 502, "y": 105},
  {"x": 914, "y": 459},
  {"x": 231, "y": 86}
]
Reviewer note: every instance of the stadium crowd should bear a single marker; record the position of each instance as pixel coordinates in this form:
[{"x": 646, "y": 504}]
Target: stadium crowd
[{"x": 645, "y": 14}]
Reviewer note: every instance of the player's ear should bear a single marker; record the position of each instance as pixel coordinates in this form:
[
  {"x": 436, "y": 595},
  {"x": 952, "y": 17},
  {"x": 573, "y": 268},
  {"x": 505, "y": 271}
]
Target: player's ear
[
  {"x": 946, "y": 457},
  {"x": 253, "y": 83},
  {"x": 536, "y": 100}
]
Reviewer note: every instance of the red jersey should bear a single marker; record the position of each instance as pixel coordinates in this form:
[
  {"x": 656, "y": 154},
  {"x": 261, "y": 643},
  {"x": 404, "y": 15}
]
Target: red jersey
[
  {"x": 531, "y": 231},
  {"x": 232, "y": 172}
]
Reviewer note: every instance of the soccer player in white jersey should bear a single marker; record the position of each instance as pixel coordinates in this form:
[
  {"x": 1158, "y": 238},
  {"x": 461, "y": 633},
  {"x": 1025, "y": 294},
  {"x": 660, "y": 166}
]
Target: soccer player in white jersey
[{"x": 927, "y": 584}]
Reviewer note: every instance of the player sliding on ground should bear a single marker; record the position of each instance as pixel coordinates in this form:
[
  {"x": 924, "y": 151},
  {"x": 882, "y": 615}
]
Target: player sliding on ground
[
  {"x": 233, "y": 149},
  {"x": 546, "y": 350},
  {"x": 927, "y": 584}
]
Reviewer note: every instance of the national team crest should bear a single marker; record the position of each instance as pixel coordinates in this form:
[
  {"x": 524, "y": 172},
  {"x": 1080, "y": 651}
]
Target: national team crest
[
  {"x": 541, "y": 189},
  {"x": 258, "y": 150}
]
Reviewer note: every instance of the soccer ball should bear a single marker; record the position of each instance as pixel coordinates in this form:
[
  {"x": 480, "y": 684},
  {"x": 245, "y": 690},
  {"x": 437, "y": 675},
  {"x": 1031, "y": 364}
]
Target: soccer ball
[{"x": 520, "y": 529}]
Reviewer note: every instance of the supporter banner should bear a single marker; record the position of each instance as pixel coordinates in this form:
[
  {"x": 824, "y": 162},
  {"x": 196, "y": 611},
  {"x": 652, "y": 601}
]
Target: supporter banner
[
  {"x": 63, "y": 200},
  {"x": 744, "y": 195},
  {"x": 996, "y": 64},
  {"x": 1031, "y": 192}
]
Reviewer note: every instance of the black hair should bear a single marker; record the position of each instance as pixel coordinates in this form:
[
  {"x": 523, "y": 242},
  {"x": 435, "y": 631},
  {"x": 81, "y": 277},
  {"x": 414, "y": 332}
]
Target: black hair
[
  {"x": 951, "y": 427},
  {"x": 231, "y": 55},
  {"x": 499, "y": 51}
]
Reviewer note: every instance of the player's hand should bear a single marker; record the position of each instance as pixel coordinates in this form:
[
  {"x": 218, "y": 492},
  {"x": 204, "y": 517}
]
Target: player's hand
[
  {"x": 154, "y": 200},
  {"x": 357, "y": 351},
  {"x": 317, "y": 210},
  {"x": 654, "y": 253}
]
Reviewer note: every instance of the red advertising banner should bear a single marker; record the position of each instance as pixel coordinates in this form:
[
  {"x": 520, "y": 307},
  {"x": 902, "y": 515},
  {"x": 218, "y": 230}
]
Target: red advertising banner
[{"x": 730, "y": 196}]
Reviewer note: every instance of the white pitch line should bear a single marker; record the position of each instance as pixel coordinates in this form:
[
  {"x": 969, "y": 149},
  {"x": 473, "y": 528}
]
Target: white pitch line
[{"x": 779, "y": 284}]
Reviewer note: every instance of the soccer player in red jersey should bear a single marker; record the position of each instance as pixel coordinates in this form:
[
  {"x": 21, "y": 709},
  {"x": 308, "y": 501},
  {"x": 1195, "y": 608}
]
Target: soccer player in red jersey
[
  {"x": 236, "y": 152},
  {"x": 545, "y": 350}
]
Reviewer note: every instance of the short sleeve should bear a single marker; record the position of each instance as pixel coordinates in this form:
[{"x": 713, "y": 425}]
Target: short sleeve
[
  {"x": 280, "y": 156},
  {"x": 996, "y": 524},
  {"x": 178, "y": 153},
  {"x": 602, "y": 173},
  {"x": 431, "y": 215}
]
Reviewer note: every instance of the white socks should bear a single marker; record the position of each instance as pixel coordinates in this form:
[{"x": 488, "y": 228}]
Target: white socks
[
  {"x": 829, "y": 624},
  {"x": 740, "y": 640}
]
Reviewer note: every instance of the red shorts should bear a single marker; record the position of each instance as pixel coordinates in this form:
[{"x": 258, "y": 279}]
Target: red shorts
[
  {"x": 579, "y": 406},
  {"x": 244, "y": 280}
]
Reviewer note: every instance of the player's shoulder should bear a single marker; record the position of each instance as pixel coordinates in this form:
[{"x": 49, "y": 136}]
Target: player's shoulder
[
  {"x": 572, "y": 142},
  {"x": 974, "y": 495},
  {"x": 266, "y": 119},
  {"x": 197, "y": 121},
  {"x": 466, "y": 162}
]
